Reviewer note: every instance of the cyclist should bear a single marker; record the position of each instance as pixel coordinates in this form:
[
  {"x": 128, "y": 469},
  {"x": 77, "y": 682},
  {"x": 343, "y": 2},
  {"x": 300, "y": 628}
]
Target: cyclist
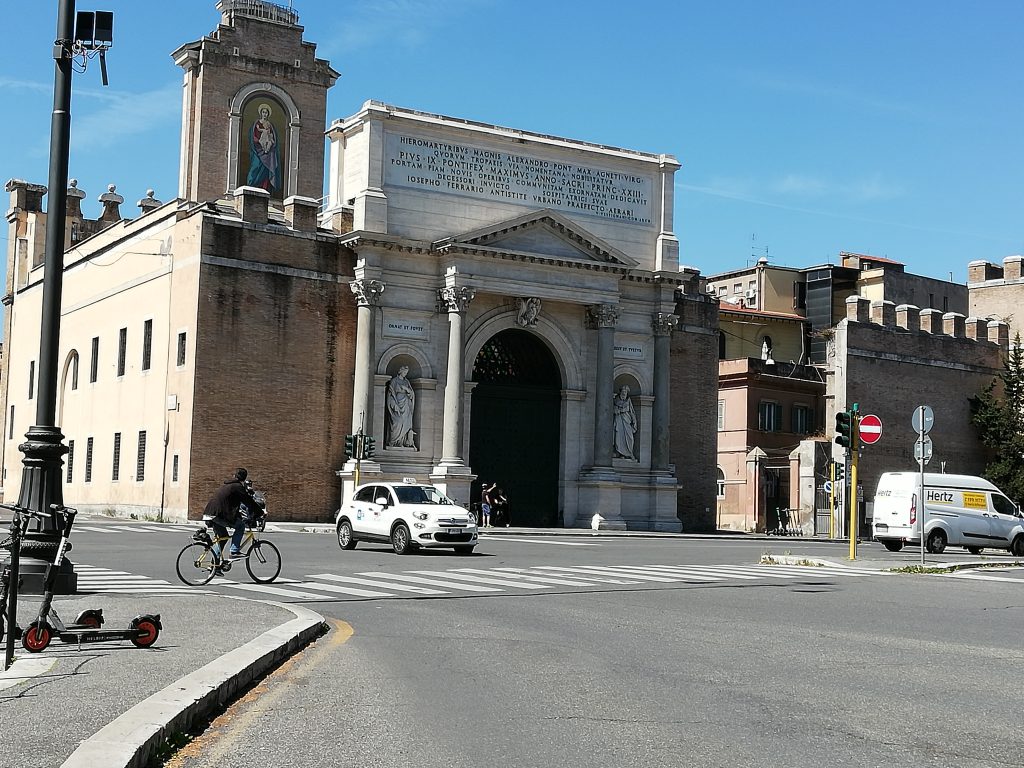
[{"x": 222, "y": 511}]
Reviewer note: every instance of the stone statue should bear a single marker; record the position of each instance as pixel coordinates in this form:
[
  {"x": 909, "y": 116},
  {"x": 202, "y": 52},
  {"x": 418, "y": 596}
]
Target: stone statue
[
  {"x": 625, "y": 425},
  {"x": 401, "y": 402},
  {"x": 529, "y": 311}
]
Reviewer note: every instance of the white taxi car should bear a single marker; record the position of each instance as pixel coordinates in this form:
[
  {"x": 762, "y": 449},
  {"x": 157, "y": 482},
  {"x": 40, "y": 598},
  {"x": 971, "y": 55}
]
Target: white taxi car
[{"x": 408, "y": 515}]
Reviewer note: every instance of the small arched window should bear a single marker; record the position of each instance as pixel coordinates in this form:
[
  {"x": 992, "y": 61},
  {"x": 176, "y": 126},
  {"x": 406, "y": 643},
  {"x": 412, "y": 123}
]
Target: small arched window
[{"x": 721, "y": 483}]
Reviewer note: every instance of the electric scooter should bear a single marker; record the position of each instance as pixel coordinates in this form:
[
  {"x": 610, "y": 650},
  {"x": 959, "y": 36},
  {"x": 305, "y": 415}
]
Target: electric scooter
[{"x": 142, "y": 631}]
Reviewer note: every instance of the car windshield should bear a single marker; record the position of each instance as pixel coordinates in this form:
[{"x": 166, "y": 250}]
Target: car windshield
[{"x": 420, "y": 494}]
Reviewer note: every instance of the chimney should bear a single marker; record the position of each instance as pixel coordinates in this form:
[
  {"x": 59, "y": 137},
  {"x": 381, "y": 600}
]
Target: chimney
[
  {"x": 75, "y": 198},
  {"x": 1011, "y": 267},
  {"x": 953, "y": 324},
  {"x": 111, "y": 205},
  {"x": 148, "y": 203},
  {"x": 999, "y": 333},
  {"x": 24, "y": 196},
  {"x": 976, "y": 328}
]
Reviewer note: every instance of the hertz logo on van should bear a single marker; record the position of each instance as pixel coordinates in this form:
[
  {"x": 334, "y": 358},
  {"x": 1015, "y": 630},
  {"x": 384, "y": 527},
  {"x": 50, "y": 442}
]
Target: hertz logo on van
[{"x": 940, "y": 497}]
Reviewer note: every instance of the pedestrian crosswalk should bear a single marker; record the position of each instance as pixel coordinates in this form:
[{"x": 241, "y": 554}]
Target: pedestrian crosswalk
[
  {"x": 466, "y": 581},
  {"x": 1010, "y": 574}
]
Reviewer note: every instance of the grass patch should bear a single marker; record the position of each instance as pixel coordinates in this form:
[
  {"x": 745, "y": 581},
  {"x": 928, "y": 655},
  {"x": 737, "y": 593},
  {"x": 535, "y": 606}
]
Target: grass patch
[{"x": 767, "y": 558}]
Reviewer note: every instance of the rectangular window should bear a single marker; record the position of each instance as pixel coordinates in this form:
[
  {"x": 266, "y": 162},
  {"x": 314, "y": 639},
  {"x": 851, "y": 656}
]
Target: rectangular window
[
  {"x": 769, "y": 416},
  {"x": 122, "y": 348},
  {"x": 140, "y": 462},
  {"x": 174, "y": 468},
  {"x": 94, "y": 362},
  {"x": 147, "y": 344},
  {"x": 117, "y": 457},
  {"x": 737, "y": 288},
  {"x": 721, "y": 415},
  {"x": 31, "y": 379},
  {"x": 181, "y": 349},
  {"x": 88, "y": 460},
  {"x": 74, "y": 371},
  {"x": 10, "y": 425},
  {"x": 803, "y": 420},
  {"x": 722, "y": 290},
  {"x": 71, "y": 460}
]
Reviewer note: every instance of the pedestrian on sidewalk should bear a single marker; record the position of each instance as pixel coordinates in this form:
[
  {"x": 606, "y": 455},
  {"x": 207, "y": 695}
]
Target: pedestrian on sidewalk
[
  {"x": 500, "y": 508},
  {"x": 222, "y": 511},
  {"x": 487, "y": 503}
]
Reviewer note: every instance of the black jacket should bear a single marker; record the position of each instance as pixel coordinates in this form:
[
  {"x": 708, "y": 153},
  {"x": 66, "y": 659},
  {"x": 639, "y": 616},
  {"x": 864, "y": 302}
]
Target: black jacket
[{"x": 225, "y": 502}]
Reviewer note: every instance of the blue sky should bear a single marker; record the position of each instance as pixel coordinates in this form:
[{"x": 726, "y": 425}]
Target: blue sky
[{"x": 803, "y": 128}]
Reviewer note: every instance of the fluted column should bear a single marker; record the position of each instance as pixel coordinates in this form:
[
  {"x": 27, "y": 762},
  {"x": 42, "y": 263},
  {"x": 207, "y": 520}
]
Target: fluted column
[
  {"x": 455, "y": 300},
  {"x": 602, "y": 318},
  {"x": 367, "y": 293},
  {"x": 662, "y": 324}
]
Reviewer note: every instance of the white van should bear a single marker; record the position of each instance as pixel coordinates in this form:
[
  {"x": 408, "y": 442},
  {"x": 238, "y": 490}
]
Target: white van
[{"x": 962, "y": 511}]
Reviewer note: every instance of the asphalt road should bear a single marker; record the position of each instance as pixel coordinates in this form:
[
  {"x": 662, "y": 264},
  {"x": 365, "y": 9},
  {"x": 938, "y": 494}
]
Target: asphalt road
[{"x": 708, "y": 660}]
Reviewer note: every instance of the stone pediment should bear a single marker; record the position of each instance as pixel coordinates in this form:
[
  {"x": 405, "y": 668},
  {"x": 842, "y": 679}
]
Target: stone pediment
[{"x": 542, "y": 233}]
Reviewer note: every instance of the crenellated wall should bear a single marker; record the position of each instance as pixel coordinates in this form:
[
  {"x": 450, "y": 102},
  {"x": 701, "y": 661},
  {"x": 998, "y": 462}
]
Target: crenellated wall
[{"x": 891, "y": 359}]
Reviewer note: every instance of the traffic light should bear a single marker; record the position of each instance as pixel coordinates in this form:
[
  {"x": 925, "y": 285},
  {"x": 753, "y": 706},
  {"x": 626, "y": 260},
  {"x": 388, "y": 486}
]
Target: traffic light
[
  {"x": 844, "y": 428},
  {"x": 369, "y": 447},
  {"x": 840, "y": 472},
  {"x": 350, "y": 446}
]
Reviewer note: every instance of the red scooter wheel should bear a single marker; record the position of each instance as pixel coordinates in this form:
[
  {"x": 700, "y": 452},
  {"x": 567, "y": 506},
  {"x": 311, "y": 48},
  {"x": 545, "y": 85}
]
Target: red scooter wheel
[
  {"x": 148, "y": 633},
  {"x": 37, "y": 637}
]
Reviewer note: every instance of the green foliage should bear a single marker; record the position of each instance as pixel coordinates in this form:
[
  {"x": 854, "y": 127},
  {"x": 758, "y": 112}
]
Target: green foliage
[{"x": 998, "y": 414}]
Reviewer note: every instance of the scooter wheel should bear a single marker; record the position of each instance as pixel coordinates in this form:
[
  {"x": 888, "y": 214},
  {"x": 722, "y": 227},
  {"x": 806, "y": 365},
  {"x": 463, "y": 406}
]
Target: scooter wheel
[
  {"x": 37, "y": 637},
  {"x": 148, "y": 633}
]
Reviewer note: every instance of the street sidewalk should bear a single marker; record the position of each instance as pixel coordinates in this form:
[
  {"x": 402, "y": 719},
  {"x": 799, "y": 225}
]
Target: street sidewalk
[{"x": 111, "y": 704}]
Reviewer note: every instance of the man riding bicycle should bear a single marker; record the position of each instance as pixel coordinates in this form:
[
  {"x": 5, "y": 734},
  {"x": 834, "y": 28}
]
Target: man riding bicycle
[{"x": 222, "y": 511}]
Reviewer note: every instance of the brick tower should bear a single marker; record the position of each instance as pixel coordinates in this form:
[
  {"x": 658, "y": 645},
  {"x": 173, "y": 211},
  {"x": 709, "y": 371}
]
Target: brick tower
[{"x": 254, "y": 106}]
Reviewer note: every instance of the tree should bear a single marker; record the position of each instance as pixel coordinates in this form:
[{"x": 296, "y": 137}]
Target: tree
[{"x": 998, "y": 414}]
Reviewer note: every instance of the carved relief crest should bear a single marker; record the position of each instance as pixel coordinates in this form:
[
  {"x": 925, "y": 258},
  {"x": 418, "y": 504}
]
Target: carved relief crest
[{"x": 528, "y": 310}]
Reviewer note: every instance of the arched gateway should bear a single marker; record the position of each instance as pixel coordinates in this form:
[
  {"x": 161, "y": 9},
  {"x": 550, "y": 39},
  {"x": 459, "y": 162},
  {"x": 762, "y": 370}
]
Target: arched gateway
[{"x": 515, "y": 425}]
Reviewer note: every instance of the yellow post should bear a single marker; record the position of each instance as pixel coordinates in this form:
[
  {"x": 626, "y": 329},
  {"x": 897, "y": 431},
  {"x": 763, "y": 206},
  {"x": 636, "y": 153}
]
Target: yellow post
[
  {"x": 832, "y": 502},
  {"x": 854, "y": 452}
]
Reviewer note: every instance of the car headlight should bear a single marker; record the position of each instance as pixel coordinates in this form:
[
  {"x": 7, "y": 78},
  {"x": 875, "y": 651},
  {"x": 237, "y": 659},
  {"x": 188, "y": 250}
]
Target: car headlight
[{"x": 420, "y": 515}]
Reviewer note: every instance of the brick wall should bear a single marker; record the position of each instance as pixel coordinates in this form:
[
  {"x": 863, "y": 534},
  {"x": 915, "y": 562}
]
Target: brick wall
[
  {"x": 273, "y": 368},
  {"x": 693, "y": 431}
]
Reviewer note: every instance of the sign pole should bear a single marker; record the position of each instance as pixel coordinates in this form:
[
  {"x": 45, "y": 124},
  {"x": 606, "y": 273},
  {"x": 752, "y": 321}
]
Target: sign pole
[{"x": 922, "y": 506}]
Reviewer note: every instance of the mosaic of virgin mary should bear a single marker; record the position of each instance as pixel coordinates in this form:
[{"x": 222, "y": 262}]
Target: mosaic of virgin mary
[{"x": 264, "y": 152}]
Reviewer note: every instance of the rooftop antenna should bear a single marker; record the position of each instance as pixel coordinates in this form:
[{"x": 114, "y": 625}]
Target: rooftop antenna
[{"x": 758, "y": 251}]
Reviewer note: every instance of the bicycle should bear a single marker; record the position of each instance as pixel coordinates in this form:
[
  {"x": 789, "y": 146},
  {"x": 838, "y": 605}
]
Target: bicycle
[{"x": 198, "y": 562}]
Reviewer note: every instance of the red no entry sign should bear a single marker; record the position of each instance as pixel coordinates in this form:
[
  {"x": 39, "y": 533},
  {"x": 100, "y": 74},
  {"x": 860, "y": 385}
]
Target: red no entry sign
[{"x": 870, "y": 429}]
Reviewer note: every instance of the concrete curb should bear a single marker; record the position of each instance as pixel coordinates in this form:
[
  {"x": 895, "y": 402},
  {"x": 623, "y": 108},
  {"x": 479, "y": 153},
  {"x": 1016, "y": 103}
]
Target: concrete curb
[
  {"x": 132, "y": 739},
  {"x": 894, "y": 568}
]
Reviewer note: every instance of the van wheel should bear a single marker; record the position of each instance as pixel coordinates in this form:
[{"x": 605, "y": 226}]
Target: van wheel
[
  {"x": 1017, "y": 547},
  {"x": 936, "y": 543},
  {"x": 975, "y": 550},
  {"x": 893, "y": 546}
]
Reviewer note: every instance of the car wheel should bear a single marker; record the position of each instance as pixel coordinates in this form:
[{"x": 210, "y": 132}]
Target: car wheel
[
  {"x": 975, "y": 550},
  {"x": 401, "y": 542},
  {"x": 893, "y": 546},
  {"x": 1017, "y": 546},
  {"x": 464, "y": 549},
  {"x": 936, "y": 542},
  {"x": 345, "y": 540}
]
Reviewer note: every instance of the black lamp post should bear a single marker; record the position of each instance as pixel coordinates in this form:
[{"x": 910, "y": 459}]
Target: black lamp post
[{"x": 44, "y": 449}]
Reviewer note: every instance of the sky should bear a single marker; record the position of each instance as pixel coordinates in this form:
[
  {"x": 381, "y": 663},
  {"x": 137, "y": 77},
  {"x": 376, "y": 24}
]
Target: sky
[{"x": 804, "y": 128}]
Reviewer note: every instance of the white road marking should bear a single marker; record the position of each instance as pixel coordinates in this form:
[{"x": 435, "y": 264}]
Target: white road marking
[
  {"x": 433, "y": 582},
  {"x": 375, "y": 583}
]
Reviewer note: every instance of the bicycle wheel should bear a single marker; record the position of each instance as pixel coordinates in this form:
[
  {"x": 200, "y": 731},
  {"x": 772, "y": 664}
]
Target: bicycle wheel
[
  {"x": 263, "y": 562},
  {"x": 196, "y": 564}
]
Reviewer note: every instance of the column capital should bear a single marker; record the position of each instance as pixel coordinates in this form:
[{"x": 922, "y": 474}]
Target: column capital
[
  {"x": 367, "y": 292},
  {"x": 602, "y": 315},
  {"x": 455, "y": 299},
  {"x": 663, "y": 323}
]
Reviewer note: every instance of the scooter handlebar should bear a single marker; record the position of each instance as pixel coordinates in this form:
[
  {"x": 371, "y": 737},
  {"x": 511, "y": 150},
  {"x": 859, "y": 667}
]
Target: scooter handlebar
[{"x": 25, "y": 510}]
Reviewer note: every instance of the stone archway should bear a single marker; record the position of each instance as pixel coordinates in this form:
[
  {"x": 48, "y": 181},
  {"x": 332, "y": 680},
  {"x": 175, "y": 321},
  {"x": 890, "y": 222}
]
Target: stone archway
[{"x": 515, "y": 425}]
